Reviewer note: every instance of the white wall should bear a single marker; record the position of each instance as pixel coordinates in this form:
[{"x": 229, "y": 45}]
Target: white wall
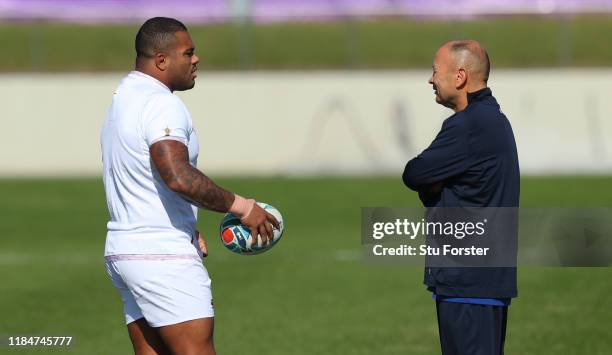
[{"x": 310, "y": 123}]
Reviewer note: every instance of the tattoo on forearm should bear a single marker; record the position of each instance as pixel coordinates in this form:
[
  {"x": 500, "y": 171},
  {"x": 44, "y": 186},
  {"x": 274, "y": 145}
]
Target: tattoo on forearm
[{"x": 171, "y": 159}]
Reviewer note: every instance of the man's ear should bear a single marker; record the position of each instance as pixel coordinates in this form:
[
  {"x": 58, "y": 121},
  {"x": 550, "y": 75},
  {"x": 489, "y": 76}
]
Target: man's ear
[
  {"x": 161, "y": 61},
  {"x": 461, "y": 79}
]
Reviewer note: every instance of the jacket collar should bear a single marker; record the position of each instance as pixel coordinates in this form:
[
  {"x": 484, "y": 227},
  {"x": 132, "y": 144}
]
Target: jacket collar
[{"x": 478, "y": 95}]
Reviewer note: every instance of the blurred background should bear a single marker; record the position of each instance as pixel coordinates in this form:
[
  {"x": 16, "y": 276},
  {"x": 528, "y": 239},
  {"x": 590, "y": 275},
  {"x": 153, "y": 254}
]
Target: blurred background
[{"x": 313, "y": 106}]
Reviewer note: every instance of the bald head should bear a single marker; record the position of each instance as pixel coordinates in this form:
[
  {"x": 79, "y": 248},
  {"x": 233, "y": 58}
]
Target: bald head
[
  {"x": 471, "y": 56},
  {"x": 459, "y": 68}
]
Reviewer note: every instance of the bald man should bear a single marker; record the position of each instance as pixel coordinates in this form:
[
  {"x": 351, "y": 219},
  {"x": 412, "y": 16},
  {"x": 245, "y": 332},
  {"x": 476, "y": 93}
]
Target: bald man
[{"x": 472, "y": 162}]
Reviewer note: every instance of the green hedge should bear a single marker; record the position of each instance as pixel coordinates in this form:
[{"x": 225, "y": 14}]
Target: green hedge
[{"x": 375, "y": 44}]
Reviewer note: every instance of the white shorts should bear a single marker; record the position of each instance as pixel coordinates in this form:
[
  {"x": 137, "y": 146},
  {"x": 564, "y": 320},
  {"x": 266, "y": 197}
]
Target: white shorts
[{"x": 164, "y": 289}]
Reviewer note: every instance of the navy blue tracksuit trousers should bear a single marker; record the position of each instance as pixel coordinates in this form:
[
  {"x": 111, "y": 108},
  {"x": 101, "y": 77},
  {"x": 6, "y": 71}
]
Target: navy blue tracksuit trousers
[{"x": 471, "y": 329}]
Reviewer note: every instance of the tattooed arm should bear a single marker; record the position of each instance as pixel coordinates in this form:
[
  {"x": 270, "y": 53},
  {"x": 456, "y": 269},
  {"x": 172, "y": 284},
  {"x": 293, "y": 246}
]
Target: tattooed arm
[{"x": 171, "y": 159}]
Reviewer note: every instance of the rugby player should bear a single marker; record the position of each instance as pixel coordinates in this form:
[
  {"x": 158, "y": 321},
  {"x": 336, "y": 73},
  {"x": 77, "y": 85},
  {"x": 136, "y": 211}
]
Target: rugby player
[{"x": 153, "y": 189}]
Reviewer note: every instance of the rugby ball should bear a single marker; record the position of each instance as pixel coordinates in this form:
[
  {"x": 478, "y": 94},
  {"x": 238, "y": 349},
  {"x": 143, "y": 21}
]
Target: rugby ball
[{"x": 236, "y": 237}]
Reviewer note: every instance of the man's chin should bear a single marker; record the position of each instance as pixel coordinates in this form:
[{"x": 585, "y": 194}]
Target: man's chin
[
  {"x": 186, "y": 87},
  {"x": 442, "y": 102}
]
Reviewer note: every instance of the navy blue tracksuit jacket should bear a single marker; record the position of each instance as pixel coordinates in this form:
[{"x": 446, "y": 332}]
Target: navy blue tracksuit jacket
[{"x": 475, "y": 157}]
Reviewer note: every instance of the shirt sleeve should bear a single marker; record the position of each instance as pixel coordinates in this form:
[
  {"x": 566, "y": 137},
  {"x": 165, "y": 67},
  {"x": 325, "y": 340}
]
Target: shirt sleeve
[
  {"x": 165, "y": 117},
  {"x": 446, "y": 157}
]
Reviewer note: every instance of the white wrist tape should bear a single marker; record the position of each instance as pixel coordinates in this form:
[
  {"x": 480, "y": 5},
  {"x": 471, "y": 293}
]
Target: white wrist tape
[{"x": 242, "y": 207}]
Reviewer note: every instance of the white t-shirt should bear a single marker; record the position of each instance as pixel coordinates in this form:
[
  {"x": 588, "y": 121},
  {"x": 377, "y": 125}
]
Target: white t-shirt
[{"x": 146, "y": 217}]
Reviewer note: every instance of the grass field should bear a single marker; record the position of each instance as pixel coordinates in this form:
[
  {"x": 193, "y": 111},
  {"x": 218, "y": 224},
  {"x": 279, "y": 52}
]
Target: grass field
[
  {"x": 310, "y": 295},
  {"x": 374, "y": 44}
]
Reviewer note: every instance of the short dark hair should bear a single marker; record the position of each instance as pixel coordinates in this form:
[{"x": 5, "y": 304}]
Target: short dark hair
[{"x": 156, "y": 34}]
